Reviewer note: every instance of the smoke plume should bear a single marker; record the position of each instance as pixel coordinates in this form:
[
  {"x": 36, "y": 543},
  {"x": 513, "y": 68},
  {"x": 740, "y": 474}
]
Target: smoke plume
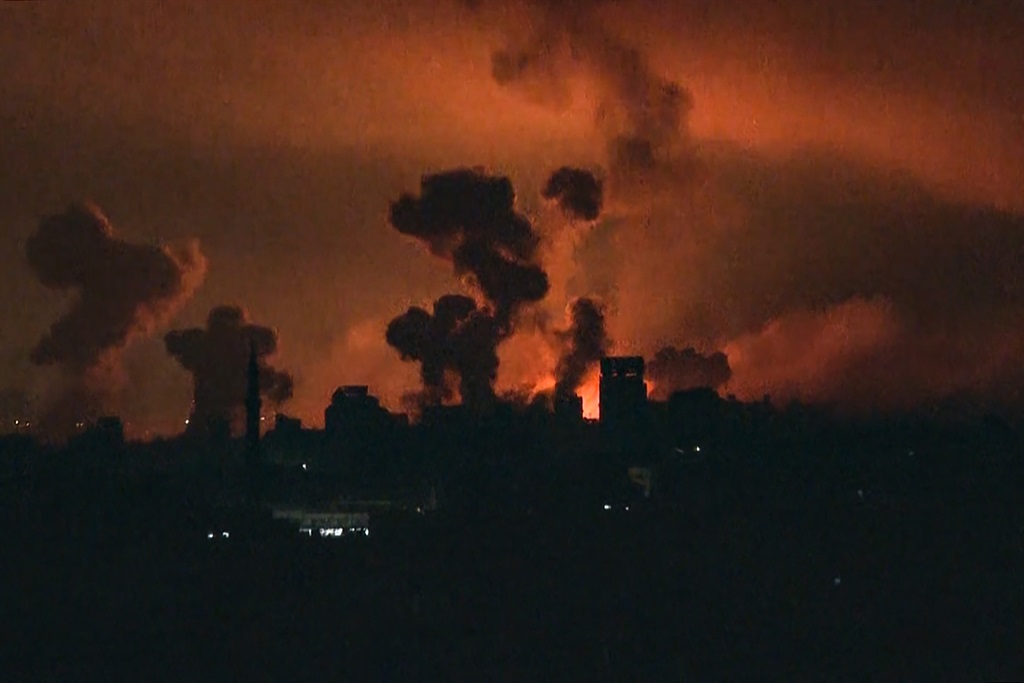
[
  {"x": 217, "y": 359},
  {"x": 674, "y": 369},
  {"x": 586, "y": 342},
  {"x": 578, "y": 192},
  {"x": 469, "y": 219},
  {"x": 458, "y": 337},
  {"x": 123, "y": 291},
  {"x": 643, "y": 116}
]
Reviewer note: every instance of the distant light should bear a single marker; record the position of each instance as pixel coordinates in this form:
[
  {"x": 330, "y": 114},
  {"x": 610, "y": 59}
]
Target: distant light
[
  {"x": 627, "y": 508},
  {"x": 16, "y": 423},
  {"x": 225, "y": 534},
  {"x": 366, "y": 532},
  {"x": 860, "y": 493},
  {"x": 607, "y": 506},
  {"x": 262, "y": 418},
  {"x": 209, "y": 535},
  {"x": 837, "y": 580},
  {"x": 304, "y": 466},
  {"x": 186, "y": 420},
  {"x": 696, "y": 449}
]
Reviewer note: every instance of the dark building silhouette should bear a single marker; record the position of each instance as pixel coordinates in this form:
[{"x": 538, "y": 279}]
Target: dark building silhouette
[
  {"x": 623, "y": 392},
  {"x": 695, "y": 416},
  {"x": 287, "y": 426},
  {"x": 352, "y": 410},
  {"x": 105, "y": 434},
  {"x": 361, "y": 438},
  {"x": 252, "y": 421},
  {"x": 569, "y": 409}
]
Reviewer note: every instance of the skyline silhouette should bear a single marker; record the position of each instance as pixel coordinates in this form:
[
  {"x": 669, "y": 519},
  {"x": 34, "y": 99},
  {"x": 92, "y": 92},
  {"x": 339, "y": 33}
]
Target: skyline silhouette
[{"x": 851, "y": 240}]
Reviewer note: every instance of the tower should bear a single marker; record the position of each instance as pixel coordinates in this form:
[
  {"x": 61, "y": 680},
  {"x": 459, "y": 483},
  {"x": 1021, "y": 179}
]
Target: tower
[
  {"x": 623, "y": 392},
  {"x": 252, "y": 421}
]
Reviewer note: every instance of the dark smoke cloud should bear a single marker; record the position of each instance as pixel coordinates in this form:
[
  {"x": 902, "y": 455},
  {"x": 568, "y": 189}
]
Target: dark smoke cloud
[
  {"x": 468, "y": 218},
  {"x": 674, "y": 369},
  {"x": 578, "y": 192},
  {"x": 644, "y": 116},
  {"x": 123, "y": 291},
  {"x": 459, "y": 338},
  {"x": 586, "y": 342},
  {"x": 218, "y": 358}
]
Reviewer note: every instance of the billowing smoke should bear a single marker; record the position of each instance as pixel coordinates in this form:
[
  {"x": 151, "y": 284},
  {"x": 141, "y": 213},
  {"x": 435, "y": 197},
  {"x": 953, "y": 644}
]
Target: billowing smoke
[
  {"x": 468, "y": 218},
  {"x": 674, "y": 369},
  {"x": 218, "y": 357},
  {"x": 579, "y": 196},
  {"x": 643, "y": 116},
  {"x": 578, "y": 192},
  {"x": 457, "y": 338},
  {"x": 123, "y": 291},
  {"x": 586, "y": 342}
]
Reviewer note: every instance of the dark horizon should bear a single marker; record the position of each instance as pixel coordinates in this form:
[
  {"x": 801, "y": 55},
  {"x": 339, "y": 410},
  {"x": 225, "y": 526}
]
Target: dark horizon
[{"x": 827, "y": 196}]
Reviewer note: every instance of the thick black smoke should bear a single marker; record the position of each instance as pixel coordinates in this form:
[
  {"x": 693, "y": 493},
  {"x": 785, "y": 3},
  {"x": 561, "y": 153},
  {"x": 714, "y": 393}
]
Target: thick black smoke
[
  {"x": 579, "y": 192},
  {"x": 458, "y": 338},
  {"x": 586, "y": 342},
  {"x": 218, "y": 359},
  {"x": 123, "y": 291},
  {"x": 468, "y": 218},
  {"x": 674, "y": 369}
]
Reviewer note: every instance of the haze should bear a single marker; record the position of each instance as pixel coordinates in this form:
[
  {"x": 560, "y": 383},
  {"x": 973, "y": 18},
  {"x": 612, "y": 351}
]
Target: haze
[{"x": 854, "y": 237}]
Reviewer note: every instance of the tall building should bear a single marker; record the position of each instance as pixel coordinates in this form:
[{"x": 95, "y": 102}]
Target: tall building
[
  {"x": 252, "y": 402},
  {"x": 623, "y": 392},
  {"x": 252, "y": 422}
]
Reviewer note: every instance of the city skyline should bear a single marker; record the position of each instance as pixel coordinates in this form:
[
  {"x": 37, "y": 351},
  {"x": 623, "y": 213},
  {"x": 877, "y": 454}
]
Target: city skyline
[{"x": 830, "y": 197}]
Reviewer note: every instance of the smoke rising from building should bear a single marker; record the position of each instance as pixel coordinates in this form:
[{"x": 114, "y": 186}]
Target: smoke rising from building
[
  {"x": 123, "y": 291},
  {"x": 674, "y": 369},
  {"x": 217, "y": 358},
  {"x": 585, "y": 343},
  {"x": 457, "y": 338},
  {"x": 643, "y": 116},
  {"x": 468, "y": 218}
]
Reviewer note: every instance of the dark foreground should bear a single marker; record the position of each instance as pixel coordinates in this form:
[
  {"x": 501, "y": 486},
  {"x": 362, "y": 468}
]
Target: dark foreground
[{"x": 919, "y": 580}]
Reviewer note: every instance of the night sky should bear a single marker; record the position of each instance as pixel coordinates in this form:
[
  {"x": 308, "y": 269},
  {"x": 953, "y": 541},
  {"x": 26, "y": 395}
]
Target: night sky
[{"x": 837, "y": 201}]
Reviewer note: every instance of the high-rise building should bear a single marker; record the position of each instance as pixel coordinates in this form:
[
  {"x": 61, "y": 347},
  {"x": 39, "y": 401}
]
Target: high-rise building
[
  {"x": 253, "y": 404},
  {"x": 623, "y": 392},
  {"x": 252, "y": 422}
]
